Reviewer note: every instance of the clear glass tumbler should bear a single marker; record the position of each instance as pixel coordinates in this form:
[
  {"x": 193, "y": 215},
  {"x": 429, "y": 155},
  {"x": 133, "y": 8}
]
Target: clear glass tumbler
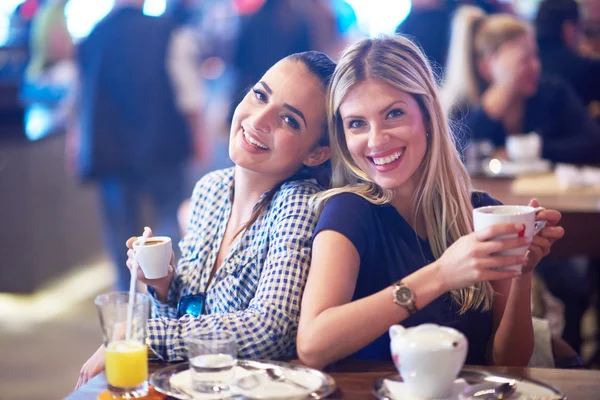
[{"x": 212, "y": 359}]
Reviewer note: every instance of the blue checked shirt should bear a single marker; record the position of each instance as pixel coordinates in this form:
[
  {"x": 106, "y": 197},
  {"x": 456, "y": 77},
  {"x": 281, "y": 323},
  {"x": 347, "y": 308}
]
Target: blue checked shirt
[{"x": 256, "y": 292}]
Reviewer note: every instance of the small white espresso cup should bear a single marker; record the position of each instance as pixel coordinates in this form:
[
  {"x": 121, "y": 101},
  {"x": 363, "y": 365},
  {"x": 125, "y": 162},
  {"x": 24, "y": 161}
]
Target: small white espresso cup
[
  {"x": 154, "y": 256},
  {"x": 523, "y": 148},
  {"x": 494, "y": 215}
]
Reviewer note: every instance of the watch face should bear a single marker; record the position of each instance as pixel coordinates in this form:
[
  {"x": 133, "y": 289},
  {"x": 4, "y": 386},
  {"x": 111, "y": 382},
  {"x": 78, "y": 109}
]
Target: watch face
[{"x": 404, "y": 295}]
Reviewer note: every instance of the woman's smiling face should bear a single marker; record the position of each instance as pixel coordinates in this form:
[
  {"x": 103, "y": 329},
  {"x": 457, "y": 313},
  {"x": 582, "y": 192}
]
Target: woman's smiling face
[
  {"x": 277, "y": 126},
  {"x": 385, "y": 134}
]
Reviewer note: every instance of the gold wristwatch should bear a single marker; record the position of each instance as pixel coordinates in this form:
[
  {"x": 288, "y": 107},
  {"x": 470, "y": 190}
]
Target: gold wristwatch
[{"x": 404, "y": 297}]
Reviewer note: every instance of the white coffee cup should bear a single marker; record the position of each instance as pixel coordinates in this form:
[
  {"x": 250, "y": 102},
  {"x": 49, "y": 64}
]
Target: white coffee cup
[
  {"x": 494, "y": 215},
  {"x": 524, "y": 148},
  {"x": 154, "y": 256}
]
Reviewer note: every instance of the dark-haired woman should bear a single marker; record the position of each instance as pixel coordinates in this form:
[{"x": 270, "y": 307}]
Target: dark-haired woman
[{"x": 246, "y": 254}]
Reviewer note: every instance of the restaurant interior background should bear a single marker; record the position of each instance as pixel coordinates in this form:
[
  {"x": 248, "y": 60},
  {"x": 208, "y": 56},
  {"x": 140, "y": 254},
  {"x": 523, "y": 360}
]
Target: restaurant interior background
[{"x": 52, "y": 258}]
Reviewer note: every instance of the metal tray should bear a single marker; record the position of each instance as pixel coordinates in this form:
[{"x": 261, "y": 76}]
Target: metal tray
[
  {"x": 477, "y": 377},
  {"x": 160, "y": 380}
]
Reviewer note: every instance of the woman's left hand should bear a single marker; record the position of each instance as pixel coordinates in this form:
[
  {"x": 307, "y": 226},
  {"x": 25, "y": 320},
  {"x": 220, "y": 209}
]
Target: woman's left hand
[
  {"x": 91, "y": 368},
  {"x": 543, "y": 241}
]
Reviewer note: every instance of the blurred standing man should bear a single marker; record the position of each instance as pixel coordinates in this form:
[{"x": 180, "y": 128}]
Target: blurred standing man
[
  {"x": 137, "y": 105},
  {"x": 428, "y": 24},
  {"x": 276, "y": 30}
]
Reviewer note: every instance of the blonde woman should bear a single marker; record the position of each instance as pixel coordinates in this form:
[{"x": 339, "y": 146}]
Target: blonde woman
[
  {"x": 493, "y": 78},
  {"x": 394, "y": 242}
]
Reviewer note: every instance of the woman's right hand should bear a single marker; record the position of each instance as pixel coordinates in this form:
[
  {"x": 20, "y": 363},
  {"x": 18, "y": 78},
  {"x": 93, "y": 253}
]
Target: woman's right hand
[
  {"x": 507, "y": 65},
  {"x": 471, "y": 258},
  {"x": 504, "y": 70},
  {"x": 160, "y": 285}
]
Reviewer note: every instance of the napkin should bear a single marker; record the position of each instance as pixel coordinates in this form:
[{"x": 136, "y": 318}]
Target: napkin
[
  {"x": 548, "y": 185},
  {"x": 183, "y": 382},
  {"x": 260, "y": 386},
  {"x": 399, "y": 390},
  {"x": 253, "y": 384},
  {"x": 569, "y": 176}
]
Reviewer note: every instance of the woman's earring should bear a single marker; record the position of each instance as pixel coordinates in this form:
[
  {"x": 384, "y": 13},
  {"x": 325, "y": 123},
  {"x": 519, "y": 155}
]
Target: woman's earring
[{"x": 428, "y": 135}]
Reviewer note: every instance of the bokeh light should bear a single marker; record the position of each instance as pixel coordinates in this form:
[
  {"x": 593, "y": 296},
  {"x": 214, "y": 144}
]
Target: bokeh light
[{"x": 377, "y": 17}]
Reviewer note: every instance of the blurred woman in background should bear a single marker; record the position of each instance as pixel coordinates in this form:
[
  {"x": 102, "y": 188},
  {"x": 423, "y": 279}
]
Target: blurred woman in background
[
  {"x": 493, "y": 85},
  {"x": 493, "y": 81}
]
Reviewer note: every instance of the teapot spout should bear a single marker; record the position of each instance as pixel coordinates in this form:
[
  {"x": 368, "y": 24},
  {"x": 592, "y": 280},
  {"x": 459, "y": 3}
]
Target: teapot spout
[{"x": 396, "y": 331}]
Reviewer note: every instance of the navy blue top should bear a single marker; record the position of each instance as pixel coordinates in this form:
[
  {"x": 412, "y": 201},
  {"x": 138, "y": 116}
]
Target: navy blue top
[
  {"x": 555, "y": 112},
  {"x": 582, "y": 73},
  {"x": 390, "y": 250}
]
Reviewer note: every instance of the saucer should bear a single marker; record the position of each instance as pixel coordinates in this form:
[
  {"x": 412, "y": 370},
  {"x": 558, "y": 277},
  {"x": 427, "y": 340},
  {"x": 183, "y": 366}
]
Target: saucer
[
  {"x": 175, "y": 381},
  {"x": 391, "y": 387},
  {"x": 508, "y": 168},
  {"x": 399, "y": 391},
  {"x": 525, "y": 390},
  {"x": 526, "y": 167}
]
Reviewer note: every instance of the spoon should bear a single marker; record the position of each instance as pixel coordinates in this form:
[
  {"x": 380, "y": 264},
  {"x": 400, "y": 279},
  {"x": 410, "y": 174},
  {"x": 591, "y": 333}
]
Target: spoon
[
  {"x": 276, "y": 374},
  {"x": 501, "y": 392}
]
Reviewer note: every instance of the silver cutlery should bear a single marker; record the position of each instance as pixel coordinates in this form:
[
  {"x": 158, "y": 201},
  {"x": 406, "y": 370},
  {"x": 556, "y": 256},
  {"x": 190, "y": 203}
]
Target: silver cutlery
[
  {"x": 501, "y": 392},
  {"x": 276, "y": 374}
]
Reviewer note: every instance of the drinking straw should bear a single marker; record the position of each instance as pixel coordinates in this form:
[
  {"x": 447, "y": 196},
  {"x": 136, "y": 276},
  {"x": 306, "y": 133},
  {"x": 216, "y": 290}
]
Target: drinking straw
[{"x": 132, "y": 284}]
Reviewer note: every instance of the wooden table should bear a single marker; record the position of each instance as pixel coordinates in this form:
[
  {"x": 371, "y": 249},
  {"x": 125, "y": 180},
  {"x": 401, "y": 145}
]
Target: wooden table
[
  {"x": 581, "y": 216},
  {"x": 355, "y": 379}
]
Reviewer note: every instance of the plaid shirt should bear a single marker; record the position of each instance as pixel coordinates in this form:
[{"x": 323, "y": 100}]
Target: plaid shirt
[{"x": 256, "y": 292}]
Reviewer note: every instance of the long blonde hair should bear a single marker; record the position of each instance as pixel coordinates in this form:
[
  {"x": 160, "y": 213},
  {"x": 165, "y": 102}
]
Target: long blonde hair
[
  {"x": 443, "y": 194},
  {"x": 474, "y": 35}
]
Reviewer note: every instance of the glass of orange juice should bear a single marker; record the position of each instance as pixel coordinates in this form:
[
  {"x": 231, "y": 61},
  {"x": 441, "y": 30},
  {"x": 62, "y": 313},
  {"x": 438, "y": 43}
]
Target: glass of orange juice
[{"x": 125, "y": 356}]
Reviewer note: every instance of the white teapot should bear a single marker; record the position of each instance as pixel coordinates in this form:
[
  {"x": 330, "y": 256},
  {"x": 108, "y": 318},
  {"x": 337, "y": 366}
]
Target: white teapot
[{"x": 429, "y": 358}]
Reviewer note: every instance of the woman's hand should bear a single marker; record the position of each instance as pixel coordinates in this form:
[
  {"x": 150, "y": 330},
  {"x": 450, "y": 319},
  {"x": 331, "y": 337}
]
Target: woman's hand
[
  {"x": 470, "y": 259},
  {"x": 543, "y": 241},
  {"x": 503, "y": 69},
  {"x": 160, "y": 285},
  {"x": 507, "y": 65},
  {"x": 91, "y": 368}
]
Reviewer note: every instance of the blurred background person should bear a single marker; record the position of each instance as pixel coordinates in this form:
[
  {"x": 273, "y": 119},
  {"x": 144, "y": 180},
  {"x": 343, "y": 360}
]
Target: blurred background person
[
  {"x": 19, "y": 26},
  {"x": 590, "y": 45},
  {"x": 324, "y": 28},
  {"x": 183, "y": 59},
  {"x": 558, "y": 31},
  {"x": 273, "y": 32},
  {"x": 51, "y": 73},
  {"x": 428, "y": 24},
  {"x": 51, "y": 42},
  {"x": 493, "y": 78},
  {"x": 138, "y": 106},
  {"x": 492, "y": 84}
]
